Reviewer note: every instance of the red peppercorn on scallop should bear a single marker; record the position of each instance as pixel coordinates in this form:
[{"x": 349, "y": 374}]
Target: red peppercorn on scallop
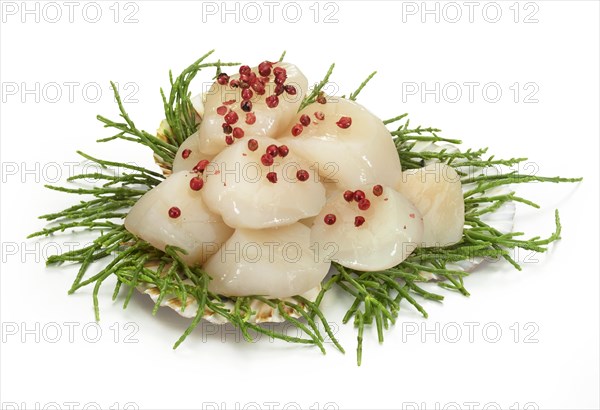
[
  {"x": 258, "y": 101},
  {"x": 173, "y": 213},
  {"x": 251, "y": 185},
  {"x": 277, "y": 263},
  {"x": 346, "y": 142},
  {"x": 369, "y": 230},
  {"x": 436, "y": 191},
  {"x": 189, "y": 154}
]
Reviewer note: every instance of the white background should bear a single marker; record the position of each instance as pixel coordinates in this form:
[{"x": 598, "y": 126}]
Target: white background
[{"x": 555, "y": 296}]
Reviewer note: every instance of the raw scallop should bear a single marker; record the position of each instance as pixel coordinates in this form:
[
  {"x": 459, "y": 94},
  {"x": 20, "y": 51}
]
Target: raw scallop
[
  {"x": 270, "y": 122},
  {"x": 362, "y": 153},
  {"x": 392, "y": 229},
  {"x": 237, "y": 188},
  {"x": 192, "y": 144},
  {"x": 276, "y": 263},
  {"x": 197, "y": 230},
  {"x": 437, "y": 192}
]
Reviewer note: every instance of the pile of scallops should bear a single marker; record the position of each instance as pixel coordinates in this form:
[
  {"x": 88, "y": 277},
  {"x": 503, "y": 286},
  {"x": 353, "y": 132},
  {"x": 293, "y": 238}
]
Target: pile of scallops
[{"x": 264, "y": 197}]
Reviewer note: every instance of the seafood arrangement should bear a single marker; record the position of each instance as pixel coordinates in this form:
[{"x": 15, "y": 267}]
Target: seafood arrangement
[{"x": 272, "y": 193}]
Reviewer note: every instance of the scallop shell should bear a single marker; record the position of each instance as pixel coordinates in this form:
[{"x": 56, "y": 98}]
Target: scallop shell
[
  {"x": 502, "y": 219},
  {"x": 261, "y": 312}
]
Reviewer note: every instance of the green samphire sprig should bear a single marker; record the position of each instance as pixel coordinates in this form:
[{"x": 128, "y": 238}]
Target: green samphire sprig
[{"x": 377, "y": 296}]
